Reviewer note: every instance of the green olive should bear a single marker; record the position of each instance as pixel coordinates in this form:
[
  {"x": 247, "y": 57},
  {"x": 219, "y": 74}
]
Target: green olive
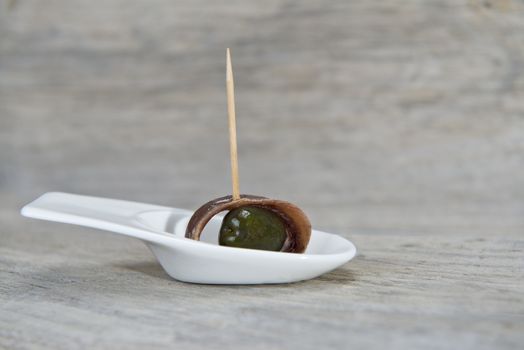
[{"x": 253, "y": 227}]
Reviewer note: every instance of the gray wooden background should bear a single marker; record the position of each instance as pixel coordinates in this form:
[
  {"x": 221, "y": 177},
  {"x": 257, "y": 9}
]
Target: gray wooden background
[{"x": 397, "y": 124}]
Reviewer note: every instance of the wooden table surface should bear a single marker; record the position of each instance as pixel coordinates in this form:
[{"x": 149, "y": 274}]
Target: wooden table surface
[{"x": 398, "y": 125}]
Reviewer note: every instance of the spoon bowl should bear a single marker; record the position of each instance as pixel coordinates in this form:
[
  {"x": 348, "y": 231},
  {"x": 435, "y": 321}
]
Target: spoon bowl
[{"x": 162, "y": 229}]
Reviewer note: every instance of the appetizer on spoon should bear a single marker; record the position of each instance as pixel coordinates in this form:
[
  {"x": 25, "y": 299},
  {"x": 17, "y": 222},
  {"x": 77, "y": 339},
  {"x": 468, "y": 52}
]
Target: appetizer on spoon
[
  {"x": 267, "y": 226},
  {"x": 252, "y": 221}
]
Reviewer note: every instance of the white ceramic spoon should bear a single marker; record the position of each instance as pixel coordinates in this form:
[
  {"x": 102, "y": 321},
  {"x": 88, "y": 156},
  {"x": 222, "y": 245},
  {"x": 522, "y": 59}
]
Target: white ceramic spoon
[{"x": 163, "y": 229}]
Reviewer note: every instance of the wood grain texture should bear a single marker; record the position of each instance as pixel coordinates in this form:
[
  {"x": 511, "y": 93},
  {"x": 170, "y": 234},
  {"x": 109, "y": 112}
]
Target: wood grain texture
[{"x": 398, "y": 124}]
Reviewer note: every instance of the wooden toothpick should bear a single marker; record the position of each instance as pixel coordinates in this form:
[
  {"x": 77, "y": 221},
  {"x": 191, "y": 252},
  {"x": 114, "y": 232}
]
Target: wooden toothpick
[{"x": 230, "y": 88}]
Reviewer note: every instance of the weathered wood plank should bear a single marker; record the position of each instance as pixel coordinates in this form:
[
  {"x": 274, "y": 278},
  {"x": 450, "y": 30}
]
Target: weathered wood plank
[{"x": 402, "y": 291}]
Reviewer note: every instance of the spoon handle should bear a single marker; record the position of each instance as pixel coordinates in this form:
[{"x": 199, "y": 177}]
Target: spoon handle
[{"x": 101, "y": 213}]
